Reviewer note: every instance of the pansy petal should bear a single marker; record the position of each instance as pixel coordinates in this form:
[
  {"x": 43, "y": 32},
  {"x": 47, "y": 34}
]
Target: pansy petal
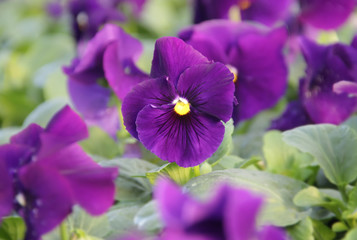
[
  {"x": 91, "y": 100},
  {"x": 30, "y": 136},
  {"x": 6, "y": 190},
  {"x": 264, "y": 11},
  {"x": 345, "y": 87},
  {"x": 65, "y": 128},
  {"x": 172, "y": 56},
  {"x": 50, "y": 198},
  {"x": 16, "y": 155},
  {"x": 154, "y": 91},
  {"x": 241, "y": 213},
  {"x": 209, "y": 89},
  {"x": 92, "y": 185},
  {"x": 187, "y": 140},
  {"x": 294, "y": 116},
  {"x": 271, "y": 232},
  {"x": 326, "y": 14},
  {"x": 120, "y": 71},
  {"x": 260, "y": 83}
]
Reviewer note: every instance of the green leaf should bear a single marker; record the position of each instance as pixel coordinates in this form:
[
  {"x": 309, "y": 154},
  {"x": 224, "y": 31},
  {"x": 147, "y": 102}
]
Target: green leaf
[
  {"x": 179, "y": 174},
  {"x": 12, "y": 228},
  {"x": 351, "y": 235},
  {"x": 302, "y": 230},
  {"x": 278, "y": 192},
  {"x": 148, "y": 219},
  {"x": 226, "y": 144},
  {"x": 334, "y": 148},
  {"x": 6, "y": 133},
  {"x": 100, "y": 143},
  {"x": 312, "y": 196},
  {"x": 322, "y": 232},
  {"x": 284, "y": 159},
  {"x": 339, "y": 227},
  {"x": 132, "y": 185}
]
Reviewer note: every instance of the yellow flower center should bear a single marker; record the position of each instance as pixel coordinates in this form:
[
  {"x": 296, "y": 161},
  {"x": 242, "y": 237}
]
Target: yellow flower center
[
  {"x": 234, "y": 71},
  {"x": 244, "y": 4},
  {"x": 182, "y": 106}
]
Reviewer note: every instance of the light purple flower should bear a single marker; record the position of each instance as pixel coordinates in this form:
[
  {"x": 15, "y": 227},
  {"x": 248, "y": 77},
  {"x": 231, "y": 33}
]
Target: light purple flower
[
  {"x": 229, "y": 214},
  {"x": 109, "y": 59},
  {"x": 178, "y": 113},
  {"x": 44, "y": 172},
  {"x": 255, "y": 56}
]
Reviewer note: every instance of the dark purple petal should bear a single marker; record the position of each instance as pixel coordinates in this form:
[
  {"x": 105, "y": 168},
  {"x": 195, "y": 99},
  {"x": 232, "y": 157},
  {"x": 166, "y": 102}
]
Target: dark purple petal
[
  {"x": 210, "y": 9},
  {"x": 92, "y": 186},
  {"x": 30, "y": 136},
  {"x": 345, "y": 87},
  {"x": 156, "y": 92},
  {"x": 264, "y": 11},
  {"x": 119, "y": 67},
  {"x": 50, "y": 199},
  {"x": 65, "y": 128},
  {"x": 15, "y": 155},
  {"x": 172, "y": 56},
  {"x": 294, "y": 116},
  {"x": 6, "y": 190},
  {"x": 92, "y": 100},
  {"x": 187, "y": 140},
  {"x": 262, "y": 72},
  {"x": 90, "y": 66},
  {"x": 271, "y": 232},
  {"x": 209, "y": 89},
  {"x": 326, "y": 14},
  {"x": 241, "y": 213}
]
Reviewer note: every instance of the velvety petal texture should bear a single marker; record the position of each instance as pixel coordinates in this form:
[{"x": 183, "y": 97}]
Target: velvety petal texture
[
  {"x": 108, "y": 61},
  {"x": 260, "y": 83},
  {"x": 178, "y": 115},
  {"x": 46, "y": 172},
  {"x": 229, "y": 214},
  {"x": 262, "y": 11},
  {"x": 325, "y": 14}
]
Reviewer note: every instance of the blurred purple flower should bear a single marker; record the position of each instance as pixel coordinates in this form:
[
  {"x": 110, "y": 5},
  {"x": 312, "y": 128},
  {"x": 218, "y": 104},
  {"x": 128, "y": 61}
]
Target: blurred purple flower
[
  {"x": 229, "y": 214},
  {"x": 109, "y": 58},
  {"x": 318, "y": 102},
  {"x": 54, "y": 9},
  {"x": 178, "y": 113},
  {"x": 253, "y": 54},
  {"x": 44, "y": 172},
  {"x": 262, "y": 11}
]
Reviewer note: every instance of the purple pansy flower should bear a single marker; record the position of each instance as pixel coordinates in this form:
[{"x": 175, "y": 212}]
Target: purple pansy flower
[
  {"x": 318, "y": 102},
  {"x": 178, "y": 113},
  {"x": 108, "y": 58},
  {"x": 44, "y": 172},
  {"x": 229, "y": 214},
  {"x": 253, "y": 54},
  {"x": 262, "y": 11}
]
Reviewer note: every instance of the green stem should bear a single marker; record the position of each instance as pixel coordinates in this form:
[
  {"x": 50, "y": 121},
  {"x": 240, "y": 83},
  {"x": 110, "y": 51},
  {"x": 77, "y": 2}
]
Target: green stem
[
  {"x": 63, "y": 231},
  {"x": 342, "y": 190},
  {"x": 197, "y": 171}
]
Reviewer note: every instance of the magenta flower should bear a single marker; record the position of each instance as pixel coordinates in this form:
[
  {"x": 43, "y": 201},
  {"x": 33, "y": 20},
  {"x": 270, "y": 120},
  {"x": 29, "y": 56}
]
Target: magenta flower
[
  {"x": 262, "y": 11},
  {"x": 318, "y": 102},
  {"x": 109, "y": 58},
  {"x": 44, "y": 172},
  {"x": 178, "y": 113},
  {"x": 229, "y": 214},
  {"x": 253, "y": 54}
]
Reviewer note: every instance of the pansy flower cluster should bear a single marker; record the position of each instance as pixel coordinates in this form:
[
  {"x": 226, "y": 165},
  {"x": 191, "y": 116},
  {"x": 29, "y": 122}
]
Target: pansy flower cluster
[{"x": 241, "y": 126}]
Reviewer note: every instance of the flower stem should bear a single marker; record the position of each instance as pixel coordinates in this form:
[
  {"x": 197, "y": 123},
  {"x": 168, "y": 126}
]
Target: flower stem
[
  {"x": 63, "y": 231},
  {"x": 342, "y": 190}
]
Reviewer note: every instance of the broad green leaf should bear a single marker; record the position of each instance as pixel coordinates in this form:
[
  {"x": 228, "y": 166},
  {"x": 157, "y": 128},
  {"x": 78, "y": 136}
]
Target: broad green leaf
[
  {"x": 100, "y": 143},
  {"x": 121, "y": 220},
  {"x": 226, "y": 144},
  {"x": 132, "y": 185},
  {"x": 334, "y": 148},
  {"x": 179, "y": 174},
  {"x": 227, "y": 162},
  {"x": 351, "y": 235},
  {"x": 147, "y": 218},
  {"x": 12, "y": 228},
  {"x": 322, "y": 232},
  {"x": 278, "y": 192},
  {"x": 313, "y": 196},
  {"x": 302, "y": 230},
  {"x": 284, "y": 159},
  {"x": 339, "y": 227}
]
